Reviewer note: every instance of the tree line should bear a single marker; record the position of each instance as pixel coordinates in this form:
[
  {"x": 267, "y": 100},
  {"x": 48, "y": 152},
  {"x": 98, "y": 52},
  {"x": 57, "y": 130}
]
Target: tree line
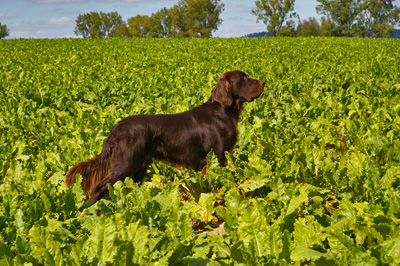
[
  {"x": 199, "y": 18},
  {"x": 357, "y": 18},
  {"x": 188, "y": 18}
]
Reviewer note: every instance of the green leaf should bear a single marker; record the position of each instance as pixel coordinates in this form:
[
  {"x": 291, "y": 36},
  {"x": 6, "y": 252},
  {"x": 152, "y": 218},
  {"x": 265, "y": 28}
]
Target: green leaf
[
  {"x": 253, "y": 185},
  {"x": 301, "y": 254},
  {"x": 206, "y": 206},
  {"x": 133, "y": 241},
  {"x": 356, "y": 163},
  {"x": 391, "y": 250},
  {"x": 184, "y": 225},
  {"x": 391, "y": 175},
  {"x": 308, "y": 232},
  {"x": 6, "y": 256},
  {"x": 101, "y": 243},
  {"x": 180, "y": 251},
  {"x": 345, "y": 250},
  {"x": 297, "y": 201},
  {"x": 198, "y": 262},
  {"x": 347, "y": 209},
  {"x": 45, "y": 246},
  {"x": 286, "y": 246},
  {"x": 237, "y": 253},
  {"x": 75, "y": 252},
  {"x": 257, "y": 235},
  {"x": 341, "y": 226},
  {"x": 73, "y": 198}
]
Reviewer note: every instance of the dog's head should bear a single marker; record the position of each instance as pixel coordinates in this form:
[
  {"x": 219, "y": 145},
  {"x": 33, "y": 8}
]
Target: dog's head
[{"x": 236, "y": 87}]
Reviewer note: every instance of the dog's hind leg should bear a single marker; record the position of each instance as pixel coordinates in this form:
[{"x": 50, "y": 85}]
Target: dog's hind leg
[
  {"x": 127, "y": 160},
  {"x": 139, "y": 175},
  {"x": 116, "y": 175}
]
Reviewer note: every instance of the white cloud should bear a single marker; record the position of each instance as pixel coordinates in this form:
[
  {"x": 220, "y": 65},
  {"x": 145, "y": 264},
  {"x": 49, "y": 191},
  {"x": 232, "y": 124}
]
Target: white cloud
[
  {"x": 8, "y": 15},
  {"x": 69, "y": 36},
  {"x": 62, "y": 2},
  {"x": 61, "y": 21},
  {"x": 31, "y": 23},
  {"x": 56, "y": 22},
  {"x": 58, "y": 2},
  {"x": 64, "y": 11},
  {"x": 19, "y": 34},
  {"x": 126, "y": 5},
  {"x": 39, "y": 34},
  {"x": 52, "y": 28},
  {"x": 239, "y": 30}
]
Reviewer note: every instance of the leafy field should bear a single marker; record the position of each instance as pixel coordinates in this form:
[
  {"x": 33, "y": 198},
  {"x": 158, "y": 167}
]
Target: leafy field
[{"x": 314, "y": 178}]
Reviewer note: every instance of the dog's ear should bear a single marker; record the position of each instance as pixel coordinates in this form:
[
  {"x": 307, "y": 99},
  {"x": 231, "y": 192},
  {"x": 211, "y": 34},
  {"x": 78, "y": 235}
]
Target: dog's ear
[{"x": 222, "y": 93}]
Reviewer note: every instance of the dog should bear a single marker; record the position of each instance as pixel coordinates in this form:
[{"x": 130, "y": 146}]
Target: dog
[{"x": 182, "y": 139}]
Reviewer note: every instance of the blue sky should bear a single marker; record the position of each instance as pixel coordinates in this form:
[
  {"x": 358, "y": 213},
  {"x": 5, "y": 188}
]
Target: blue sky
[{"x": 56, "y": 18}]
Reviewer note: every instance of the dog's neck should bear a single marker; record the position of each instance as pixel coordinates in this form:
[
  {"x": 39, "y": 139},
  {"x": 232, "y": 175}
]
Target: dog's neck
[{"x": 235, "y": 108}]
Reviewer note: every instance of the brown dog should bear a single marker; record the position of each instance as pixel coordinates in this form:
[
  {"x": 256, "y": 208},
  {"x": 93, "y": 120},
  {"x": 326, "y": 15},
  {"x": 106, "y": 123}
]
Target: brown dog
[{"x": 182, "y": 139}]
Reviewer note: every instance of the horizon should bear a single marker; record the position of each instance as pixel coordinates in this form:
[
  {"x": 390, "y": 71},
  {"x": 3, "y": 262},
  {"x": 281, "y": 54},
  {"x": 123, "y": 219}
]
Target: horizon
[{"x": 56, "y": 18}]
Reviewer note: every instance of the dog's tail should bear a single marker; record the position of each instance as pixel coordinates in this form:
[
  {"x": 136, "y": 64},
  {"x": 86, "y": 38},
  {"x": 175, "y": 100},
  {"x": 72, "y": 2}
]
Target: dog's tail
[{"x": 92, "y": 171}]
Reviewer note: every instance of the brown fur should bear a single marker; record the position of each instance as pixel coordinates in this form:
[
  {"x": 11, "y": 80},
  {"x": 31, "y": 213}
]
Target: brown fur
[{"x": 92, "y": 172}]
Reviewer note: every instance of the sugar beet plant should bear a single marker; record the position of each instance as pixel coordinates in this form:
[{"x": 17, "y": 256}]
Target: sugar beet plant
[{"x": 314, "y": 178}]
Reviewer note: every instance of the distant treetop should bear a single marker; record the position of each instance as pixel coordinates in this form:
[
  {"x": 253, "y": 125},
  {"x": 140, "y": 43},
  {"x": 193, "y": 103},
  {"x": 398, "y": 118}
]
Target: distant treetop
[
  {"x": 188, "y": 18},
  {"x": 4, "y": 32}
]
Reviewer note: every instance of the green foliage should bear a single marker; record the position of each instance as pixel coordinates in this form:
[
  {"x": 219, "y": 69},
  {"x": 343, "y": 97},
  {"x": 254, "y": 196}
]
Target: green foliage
[
  {"x": 274, "y": 14},
  {"x": 139, "y": 26},
  {"x": 4, "y": 32},
  {"x": 378, "y": 18},
  {"x": 188, "y": 18},
  {"x": 314, "y": 178},
  {"x": 99, "y": 25},
  {"x": 342, "y": 12},
  {"x": 308, "y": 28},
  {"x": 360, "y": 18}
]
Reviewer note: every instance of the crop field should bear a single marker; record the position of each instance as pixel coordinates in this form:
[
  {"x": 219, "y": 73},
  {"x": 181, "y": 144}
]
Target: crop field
[{"x": 314, "y": 178}]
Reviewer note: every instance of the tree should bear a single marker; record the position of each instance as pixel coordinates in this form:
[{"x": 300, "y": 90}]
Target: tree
[
  {"x": 328, "y": 27},
  {"x": 121, "y": 31},
  {"x": 342, "y": 12},
  {"x": 88, "y": 25},
  {"x": 111, "y": 22},
  {"x": 162, "y": 24},
  {"x": 308, "y": 27},
  {"x": 274, "y": 13},
  {"x": 98, "y": 25},
  {"x": 4, "y": 32},
  {"x": 362, "y": 18},
  {"x": 378, "y": 17},
  {"x": 188, "y": 18},
  {"x": 201, "y": 17},
  {"x": 139, "y": 26},
  {"x": 311, "y": 27},
  {"x": 178, "y": 17}
]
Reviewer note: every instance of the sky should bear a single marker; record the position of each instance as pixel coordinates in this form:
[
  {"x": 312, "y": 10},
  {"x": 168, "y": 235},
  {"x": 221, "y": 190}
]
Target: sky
[{"x": 56, "y": 18}]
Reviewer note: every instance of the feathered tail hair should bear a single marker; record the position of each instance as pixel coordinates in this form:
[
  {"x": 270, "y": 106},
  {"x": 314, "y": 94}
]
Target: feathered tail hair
[{"x": 92, "y": 171}]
